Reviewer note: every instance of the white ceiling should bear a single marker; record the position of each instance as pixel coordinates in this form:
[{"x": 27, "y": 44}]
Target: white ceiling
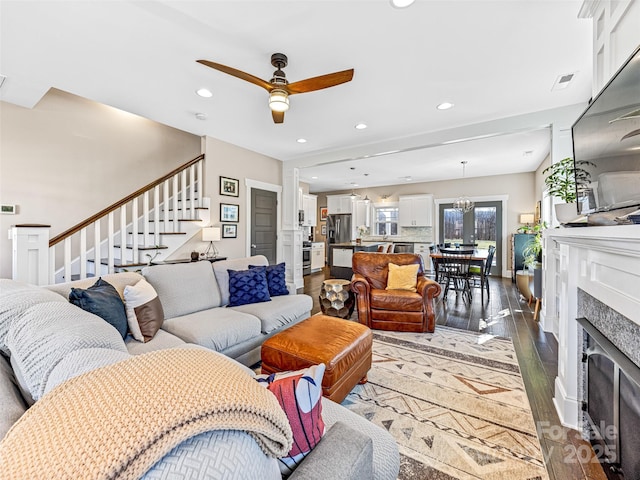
[{"x": 492, "y": 59}]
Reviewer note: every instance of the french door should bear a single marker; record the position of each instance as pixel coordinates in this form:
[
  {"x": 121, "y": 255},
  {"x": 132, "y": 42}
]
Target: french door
[{"x": 482, "y": 225}]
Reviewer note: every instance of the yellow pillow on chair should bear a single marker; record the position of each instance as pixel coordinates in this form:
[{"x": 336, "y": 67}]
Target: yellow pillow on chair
[{"x": 402, "y": 277}]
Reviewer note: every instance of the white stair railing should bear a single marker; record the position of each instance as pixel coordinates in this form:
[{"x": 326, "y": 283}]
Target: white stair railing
[{"x": 84, "y": 251}]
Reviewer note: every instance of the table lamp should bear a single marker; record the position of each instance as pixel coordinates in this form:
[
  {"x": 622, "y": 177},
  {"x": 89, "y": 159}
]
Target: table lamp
[
  {"x": 211, "y": 234},
  {"x": 527, "y": 219}
]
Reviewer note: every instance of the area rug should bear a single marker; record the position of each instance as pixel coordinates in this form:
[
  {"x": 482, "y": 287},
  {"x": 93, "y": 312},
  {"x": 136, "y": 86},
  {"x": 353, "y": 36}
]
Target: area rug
[{"x": 455, "y": 403}]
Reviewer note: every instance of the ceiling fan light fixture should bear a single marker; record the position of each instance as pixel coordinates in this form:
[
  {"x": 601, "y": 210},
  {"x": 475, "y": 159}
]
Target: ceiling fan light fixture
[
  {"x": 279, "y": 100},
  {"x": 401, "y": 3}
]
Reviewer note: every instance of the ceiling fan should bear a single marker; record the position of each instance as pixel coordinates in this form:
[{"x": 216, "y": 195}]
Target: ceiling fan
[{"x": 279, "y": 88}]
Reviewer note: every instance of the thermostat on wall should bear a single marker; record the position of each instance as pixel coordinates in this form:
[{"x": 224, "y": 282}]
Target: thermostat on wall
[{"x": 8, "y": 209}]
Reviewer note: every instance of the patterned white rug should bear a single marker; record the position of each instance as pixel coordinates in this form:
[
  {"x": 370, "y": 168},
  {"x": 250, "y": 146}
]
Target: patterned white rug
[{"x": 455, "y": 403}]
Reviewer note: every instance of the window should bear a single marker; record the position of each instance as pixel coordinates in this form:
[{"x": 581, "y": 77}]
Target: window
[{"x": 385, "y": 220}]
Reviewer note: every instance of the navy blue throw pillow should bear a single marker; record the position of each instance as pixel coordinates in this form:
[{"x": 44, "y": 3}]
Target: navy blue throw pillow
[
  {"x": 276, "y": 279},
  {"x": 103, "y": 300},
  {"x": 248, "y": 286}
]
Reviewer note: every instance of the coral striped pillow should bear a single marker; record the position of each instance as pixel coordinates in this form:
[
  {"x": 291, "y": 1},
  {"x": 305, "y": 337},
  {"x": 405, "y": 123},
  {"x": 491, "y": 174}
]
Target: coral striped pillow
[{"x": 299, "y": 395}]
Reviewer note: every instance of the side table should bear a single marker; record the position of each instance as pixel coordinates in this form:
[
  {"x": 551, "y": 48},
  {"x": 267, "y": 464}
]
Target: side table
[{"x": 336, "y": 298}]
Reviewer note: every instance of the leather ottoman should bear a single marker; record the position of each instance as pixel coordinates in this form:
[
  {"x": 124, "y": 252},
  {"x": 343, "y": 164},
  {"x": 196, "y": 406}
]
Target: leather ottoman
[{"x": 342, "y": 345}]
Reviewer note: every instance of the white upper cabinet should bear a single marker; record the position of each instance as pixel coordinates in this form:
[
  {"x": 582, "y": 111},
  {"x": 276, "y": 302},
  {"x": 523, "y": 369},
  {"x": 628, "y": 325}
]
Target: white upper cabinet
[
  {"x": 415, "y": 210},
  {"x": 361, "y": 214},
  {"x": 310, "y": 207},
  {"x": 339, "y": 204}
]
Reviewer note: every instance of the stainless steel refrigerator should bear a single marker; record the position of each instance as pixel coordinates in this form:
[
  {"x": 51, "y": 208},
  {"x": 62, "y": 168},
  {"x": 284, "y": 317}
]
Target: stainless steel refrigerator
[{"x": 339, "y": 228}]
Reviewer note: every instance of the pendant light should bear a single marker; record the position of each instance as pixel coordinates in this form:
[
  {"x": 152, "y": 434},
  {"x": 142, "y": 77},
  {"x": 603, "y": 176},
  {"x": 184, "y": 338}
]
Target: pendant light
[{"x": 463, "y": 204}]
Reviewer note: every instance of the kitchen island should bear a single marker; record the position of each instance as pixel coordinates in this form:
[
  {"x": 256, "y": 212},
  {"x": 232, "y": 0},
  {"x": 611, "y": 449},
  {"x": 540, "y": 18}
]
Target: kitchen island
[{"x": 340, "y": 257}]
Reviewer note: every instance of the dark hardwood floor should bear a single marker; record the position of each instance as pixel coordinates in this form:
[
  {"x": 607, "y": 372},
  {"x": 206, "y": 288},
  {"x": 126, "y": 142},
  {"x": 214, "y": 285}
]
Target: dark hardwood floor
[{"x": 507, "y": 314}]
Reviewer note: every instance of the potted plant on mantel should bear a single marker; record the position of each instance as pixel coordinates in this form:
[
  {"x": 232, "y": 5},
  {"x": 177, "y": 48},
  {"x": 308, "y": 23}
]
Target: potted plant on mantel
[{"x": 561, "y": 182}]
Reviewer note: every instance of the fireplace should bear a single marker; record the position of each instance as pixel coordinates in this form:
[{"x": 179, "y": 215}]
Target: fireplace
[{"x": 611, "y": 388}]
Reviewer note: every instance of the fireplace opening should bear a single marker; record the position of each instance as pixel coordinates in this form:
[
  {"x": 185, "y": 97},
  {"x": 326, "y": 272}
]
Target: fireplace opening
[{"x": 611, "y": 405}]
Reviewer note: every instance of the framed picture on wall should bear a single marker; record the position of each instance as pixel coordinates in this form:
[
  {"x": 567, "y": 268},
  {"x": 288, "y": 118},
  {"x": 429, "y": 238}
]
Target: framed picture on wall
[
  {"x": 229, "y": 230},
  {"x": 323, "y": 213},
  {"x": 229, "y": 186},
  {"x": 229, "y": 212}
]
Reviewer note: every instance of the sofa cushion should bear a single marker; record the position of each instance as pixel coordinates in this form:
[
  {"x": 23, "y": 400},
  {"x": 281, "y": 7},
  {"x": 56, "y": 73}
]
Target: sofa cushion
[
  {"x": 216, "y": 328},
  {"x": 276, "y": 279},
  {"x": 299, "y": 396},
  {"x": 350, "y": 451},
  {"x": 402, "y": 277},
  {"x": 47, "y": 332},
  {"x": 118, "y": 280},
  {"x": 279, "y": 311},
  {"x": 80, "y": 361},
  {"x": 216, "y": 454},
  {"x": 222, "y": 276},
  {"x": 15, "y": 299},
  {"x": 13, "y": 405},
  {"x": 103, "y": 300},
  {"x": 386, "y": 458},
  {"x": 144, "y": 310},
  {"x": 161, "y": 340},
  {"x": 184, "y": 288},
  {"x": 248, "y": 286}
]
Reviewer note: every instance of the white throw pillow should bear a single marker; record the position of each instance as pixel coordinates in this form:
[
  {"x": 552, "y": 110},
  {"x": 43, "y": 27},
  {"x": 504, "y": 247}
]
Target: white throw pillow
[{"x": 144, "y": 310}]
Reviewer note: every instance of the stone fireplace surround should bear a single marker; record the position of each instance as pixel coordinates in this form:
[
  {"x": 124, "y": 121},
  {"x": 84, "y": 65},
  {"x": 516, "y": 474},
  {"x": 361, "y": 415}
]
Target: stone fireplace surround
[{"x": 604, "y": 264}]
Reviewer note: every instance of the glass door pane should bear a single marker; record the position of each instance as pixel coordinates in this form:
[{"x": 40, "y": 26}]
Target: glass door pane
[{"x": 482, "y": 225}]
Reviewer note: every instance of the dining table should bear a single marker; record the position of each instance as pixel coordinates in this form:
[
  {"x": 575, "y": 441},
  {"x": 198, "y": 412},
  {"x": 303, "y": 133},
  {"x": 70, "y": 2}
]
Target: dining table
[{"x": 478, "y": 257}]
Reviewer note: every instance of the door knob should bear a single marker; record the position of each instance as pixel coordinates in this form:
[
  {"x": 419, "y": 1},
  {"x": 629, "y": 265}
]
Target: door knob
[{"x": 253, "y": 245}]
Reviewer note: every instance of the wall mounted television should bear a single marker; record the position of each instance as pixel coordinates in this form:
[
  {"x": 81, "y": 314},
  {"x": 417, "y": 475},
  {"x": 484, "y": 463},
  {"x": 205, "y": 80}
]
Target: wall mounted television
[{"x": 607, "y": 135}]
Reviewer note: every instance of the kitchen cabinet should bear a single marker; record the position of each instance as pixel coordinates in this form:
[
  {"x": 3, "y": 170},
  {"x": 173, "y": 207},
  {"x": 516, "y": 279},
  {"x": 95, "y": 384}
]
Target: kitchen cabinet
[
  {"x": 339, "y": 204},
  {"x": 424, "y": 250},
  {"x": 317, "y": 256},
  {"x": 310, "y": 208},
  {"x": 415, "y": 210},
  {"x": 360, "y": 216}
]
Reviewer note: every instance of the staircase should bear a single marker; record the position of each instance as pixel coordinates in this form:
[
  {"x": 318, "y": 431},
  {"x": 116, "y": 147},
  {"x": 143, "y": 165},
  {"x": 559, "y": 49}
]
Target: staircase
[{"x": 146, "y": 226}]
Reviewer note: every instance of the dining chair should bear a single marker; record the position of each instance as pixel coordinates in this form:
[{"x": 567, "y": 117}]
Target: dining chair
[
  {"x": 477, "y": 279},
  {"x": 454, "y": 266}
]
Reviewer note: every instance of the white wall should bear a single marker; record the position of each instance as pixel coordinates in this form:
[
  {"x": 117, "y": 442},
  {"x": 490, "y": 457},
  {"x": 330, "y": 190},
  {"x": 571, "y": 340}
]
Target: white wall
[{"x": 69, "y": 157}]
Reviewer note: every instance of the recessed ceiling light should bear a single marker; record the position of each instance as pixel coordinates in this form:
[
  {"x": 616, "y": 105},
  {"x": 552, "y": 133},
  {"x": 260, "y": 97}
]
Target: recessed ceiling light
[
  {"x": 360, "y": 126},
  {"x": 301, "y": 140},
  {"x": 314, "y": 178},
  {"x": 201, "y": 116},
  {"x": 527, "y": 153},
  {"x": 355, "y": 184},
  {"x": 445, "y": 106},
  {"x": 401, "y": 3},
  {"x": 203, "y": 92}
]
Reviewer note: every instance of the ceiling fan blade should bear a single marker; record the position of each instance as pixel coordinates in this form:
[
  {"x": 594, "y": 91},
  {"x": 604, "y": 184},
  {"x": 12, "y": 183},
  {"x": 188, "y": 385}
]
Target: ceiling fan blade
[
  {"x": 238, "y": 73},
  {"x": 318, "y": 83},
  {"x": 278, "y": 117}
]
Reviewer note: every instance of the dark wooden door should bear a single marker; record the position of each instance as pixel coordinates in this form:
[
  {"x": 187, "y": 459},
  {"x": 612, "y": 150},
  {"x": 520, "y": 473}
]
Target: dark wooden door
[{"x": 264, "y": 218}]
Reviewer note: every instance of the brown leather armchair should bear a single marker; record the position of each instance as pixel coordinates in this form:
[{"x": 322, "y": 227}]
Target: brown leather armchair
[{"x": 399, "y": 310}]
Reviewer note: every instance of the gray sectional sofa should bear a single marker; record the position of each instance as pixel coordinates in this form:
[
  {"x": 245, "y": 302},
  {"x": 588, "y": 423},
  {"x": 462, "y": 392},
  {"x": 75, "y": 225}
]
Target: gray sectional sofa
[{"x": 45, "y": 340}]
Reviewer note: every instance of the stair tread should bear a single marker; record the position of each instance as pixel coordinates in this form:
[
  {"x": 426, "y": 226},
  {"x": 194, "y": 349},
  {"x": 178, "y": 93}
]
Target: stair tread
[
  {"x": 160, "y": 233},
  {"x": 145, "y": 247},
  {"x": 117, "y": 264},
  {"x": 151, "y": 220}
]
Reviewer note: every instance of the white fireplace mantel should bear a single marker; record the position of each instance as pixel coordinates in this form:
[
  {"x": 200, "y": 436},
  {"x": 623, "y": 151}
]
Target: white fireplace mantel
[{"x": 605, "y": 263}]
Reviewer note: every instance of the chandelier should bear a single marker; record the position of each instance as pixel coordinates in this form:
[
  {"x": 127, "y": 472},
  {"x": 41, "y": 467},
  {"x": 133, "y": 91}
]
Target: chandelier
[{"x": 463, "y": 204}]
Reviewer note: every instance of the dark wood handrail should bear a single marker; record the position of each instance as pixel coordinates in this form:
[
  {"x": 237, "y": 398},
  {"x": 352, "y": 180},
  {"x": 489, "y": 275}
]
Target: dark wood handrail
[{"x": 119, "y": 203}]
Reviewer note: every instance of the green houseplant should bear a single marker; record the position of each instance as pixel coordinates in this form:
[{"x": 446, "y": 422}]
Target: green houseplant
[
  {"x": 563, "y": 180},
  {"x": 533, "y": 248}
]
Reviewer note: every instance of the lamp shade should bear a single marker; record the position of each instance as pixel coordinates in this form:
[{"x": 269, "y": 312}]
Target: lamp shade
[
  {"x": 211, "y": 234},
  {"x": 526, "y": 218},
  {"x": 279, "y": 100}
]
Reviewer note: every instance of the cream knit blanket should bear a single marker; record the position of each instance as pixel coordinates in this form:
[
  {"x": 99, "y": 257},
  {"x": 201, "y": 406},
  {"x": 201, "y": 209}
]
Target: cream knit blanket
[{"x": 118, "y": 421}]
